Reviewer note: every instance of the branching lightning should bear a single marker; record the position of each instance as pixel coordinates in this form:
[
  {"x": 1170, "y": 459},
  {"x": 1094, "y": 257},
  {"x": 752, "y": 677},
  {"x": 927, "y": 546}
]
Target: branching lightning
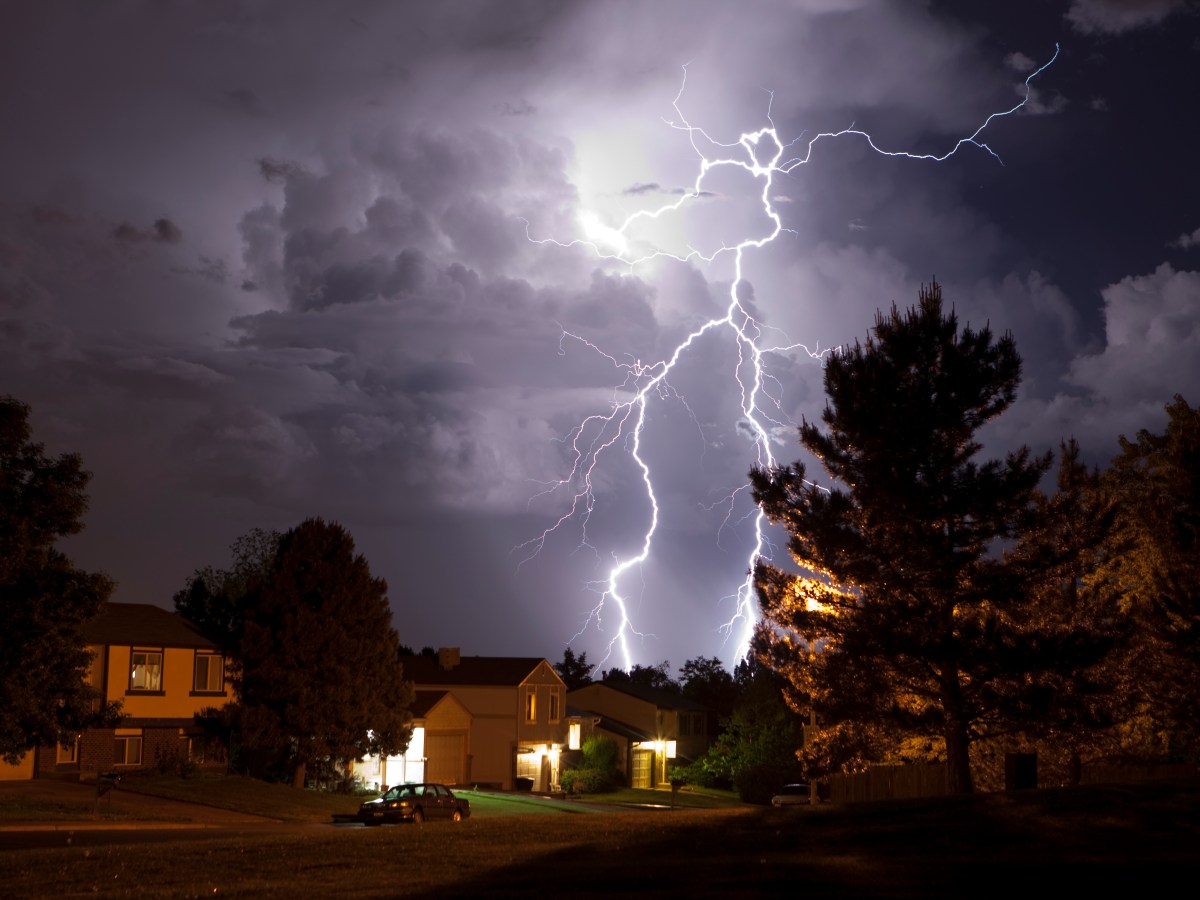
[{"x": 761, "y": 154}]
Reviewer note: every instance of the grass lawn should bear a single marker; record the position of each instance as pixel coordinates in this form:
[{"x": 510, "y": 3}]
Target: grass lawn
[
  {"x": 687, "y": 798},
  {"x": 1093, "y": 841},
  {"x": 275, "y": 801}
]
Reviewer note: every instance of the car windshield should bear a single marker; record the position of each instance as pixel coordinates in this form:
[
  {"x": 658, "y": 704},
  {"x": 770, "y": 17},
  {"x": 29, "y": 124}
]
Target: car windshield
[{"x": 794, "y": 789}]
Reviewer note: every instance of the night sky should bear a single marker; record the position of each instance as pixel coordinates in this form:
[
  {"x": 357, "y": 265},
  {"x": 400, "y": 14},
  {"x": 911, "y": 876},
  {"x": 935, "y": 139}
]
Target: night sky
[{"x": 264, "y": 261}]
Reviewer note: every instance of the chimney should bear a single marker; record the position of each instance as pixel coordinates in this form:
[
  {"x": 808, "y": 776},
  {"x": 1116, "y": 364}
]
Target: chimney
[{"x": 447, "y": 658}]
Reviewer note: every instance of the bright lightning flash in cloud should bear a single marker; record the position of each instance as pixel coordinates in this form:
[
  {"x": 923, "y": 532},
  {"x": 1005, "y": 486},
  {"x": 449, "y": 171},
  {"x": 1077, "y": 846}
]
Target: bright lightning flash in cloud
[{"x": 761, "y": 154}]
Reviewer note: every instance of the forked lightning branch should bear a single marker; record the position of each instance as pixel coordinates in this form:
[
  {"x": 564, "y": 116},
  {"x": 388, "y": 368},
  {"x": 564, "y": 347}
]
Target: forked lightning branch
[{"x": 620, "y": 428}]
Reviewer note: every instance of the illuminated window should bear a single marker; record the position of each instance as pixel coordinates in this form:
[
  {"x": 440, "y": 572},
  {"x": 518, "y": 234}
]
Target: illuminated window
[
  {"x": 573, "y": 735},
  {"x": 68, "y": 752},
  {"x": 530, "y": 704},
  {"x": 128, "y": 750},
  {"x": 210, "y": 673},
  {"x": 555, "y": 705},
  {"x": 145, "y": 671}
]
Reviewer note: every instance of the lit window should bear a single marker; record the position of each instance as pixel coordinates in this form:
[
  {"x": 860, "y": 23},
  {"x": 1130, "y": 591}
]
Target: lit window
[
  {"x": 210, "y": 673},
  {"x": 146, "y": 670},
  {"x": 530, "y": 705},
  {"x": 128, "y": 751},
  {"x": 573, "y": 735},
  {"x": 555, "y": 702}
]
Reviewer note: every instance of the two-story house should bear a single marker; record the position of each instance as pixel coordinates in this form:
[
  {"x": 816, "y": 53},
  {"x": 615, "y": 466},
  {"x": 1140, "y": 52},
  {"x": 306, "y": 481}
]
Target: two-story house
[
  {"x": 164, "y": 672},
  {"x": 651, "y": 727},
  {"x": 480, "y": 720}
]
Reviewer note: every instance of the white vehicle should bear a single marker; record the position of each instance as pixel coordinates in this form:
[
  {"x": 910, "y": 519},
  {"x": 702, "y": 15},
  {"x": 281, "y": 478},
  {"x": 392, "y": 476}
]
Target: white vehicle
[{"x": 791, "y": 795}]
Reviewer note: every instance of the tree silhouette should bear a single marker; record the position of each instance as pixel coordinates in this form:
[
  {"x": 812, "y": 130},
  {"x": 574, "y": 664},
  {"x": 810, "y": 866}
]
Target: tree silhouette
[
  {"x": 318, "y": 670},
  {"x": 901, "y": 617},
  {"x": 575, "y": 671},
  {"x": 44, "y": 599}
]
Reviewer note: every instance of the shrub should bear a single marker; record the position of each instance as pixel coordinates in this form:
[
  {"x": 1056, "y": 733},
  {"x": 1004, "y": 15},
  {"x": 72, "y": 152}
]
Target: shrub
[
  {"x": 586, "y": 781},
  {"x": 600, "y": 752}
]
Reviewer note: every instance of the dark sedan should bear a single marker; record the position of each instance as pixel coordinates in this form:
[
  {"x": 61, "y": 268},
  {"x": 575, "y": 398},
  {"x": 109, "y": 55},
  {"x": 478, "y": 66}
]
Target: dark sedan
[{"x": 415, "y": 803}]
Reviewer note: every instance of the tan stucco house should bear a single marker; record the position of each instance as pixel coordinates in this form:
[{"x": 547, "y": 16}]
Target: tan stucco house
[
  {"x": 164, "y": 672},
  {"x": 498, "y": 721}
]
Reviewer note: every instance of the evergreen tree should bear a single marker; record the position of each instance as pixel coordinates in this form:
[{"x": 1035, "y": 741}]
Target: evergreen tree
[
  {"x": 657, "y": 677},
  {"x": 44, "y": 600},
  {"x": 575, "y": 671},
  {"x": 907, "y": 601},
  {"x": 1153, "y": 569},
  {"x": 1060, "y": 687},
  {"x": 318, "y": 669}
]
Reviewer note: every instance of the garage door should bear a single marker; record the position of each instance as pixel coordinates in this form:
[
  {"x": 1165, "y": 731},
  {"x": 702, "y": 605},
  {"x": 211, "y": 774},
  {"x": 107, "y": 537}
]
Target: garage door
[
  {"x": 643, "y": 768},
  {"x": 446, "y": 758}
]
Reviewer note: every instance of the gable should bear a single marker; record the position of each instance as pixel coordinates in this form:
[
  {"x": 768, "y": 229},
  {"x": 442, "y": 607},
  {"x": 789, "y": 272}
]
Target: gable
[
  {"x": 127, "y": 624},
  {"x": 476, "y": 671}
]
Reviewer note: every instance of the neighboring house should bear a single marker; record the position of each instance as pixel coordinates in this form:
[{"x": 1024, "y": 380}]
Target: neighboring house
[
  {"x": 479, "y": 720},
  {"x": 163, "y": 671},
  {"x": 651, "y": 727}
]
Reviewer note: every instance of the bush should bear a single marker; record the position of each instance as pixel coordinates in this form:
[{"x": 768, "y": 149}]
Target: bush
[
  {"x": 586, "y": 781},
  {"x": 600, "y": 752}
]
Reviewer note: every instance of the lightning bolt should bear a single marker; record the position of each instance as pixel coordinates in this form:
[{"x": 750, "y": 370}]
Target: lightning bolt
[{"x": 761, "y": 154}]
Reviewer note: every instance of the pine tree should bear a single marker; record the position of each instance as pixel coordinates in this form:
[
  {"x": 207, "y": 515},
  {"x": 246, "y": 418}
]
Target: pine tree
[
  {"x": 895, "y": 626},
  {"x": 1153, "y": 570}
]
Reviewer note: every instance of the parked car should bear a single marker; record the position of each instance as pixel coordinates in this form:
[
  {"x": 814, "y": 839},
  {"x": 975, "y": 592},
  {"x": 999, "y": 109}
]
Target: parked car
[
  {"x": 791, "y": 795},
  {"x": 415, "y": 803}
]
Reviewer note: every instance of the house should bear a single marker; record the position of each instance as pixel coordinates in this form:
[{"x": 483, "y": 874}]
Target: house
[
  {"x": 163, "y": 672},
  {"x": 651, "y": 727},
  {"x": 479, "y": 720}
]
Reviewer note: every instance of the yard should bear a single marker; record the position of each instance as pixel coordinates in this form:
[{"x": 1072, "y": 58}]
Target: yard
[{"x": 1096, "y": 838}]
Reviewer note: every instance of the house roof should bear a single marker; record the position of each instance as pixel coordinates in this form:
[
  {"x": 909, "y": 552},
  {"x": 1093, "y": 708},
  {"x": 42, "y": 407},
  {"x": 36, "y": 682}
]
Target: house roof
[
  {"x": 660, "y": 698},
  {"x": 424, "y": 701},
  {"x": 127, "y": 624},
  {"x": 492, "y": 671},
  {"x": 622, "y": 729}
]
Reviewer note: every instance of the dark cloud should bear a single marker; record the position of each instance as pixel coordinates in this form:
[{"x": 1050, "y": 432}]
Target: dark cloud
[
  {"x": 162, "y": 230},
  {"x": 1117, "y": 16},
  {"x": 380, "y": 313}
]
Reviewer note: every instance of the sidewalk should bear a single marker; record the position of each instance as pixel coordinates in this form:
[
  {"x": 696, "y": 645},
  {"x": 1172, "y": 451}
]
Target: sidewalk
[{"x": 71, "y": 806}]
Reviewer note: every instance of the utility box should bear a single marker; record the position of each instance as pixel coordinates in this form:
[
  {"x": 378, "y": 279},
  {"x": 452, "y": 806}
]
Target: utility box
[{"x": 1020, "y": 771}]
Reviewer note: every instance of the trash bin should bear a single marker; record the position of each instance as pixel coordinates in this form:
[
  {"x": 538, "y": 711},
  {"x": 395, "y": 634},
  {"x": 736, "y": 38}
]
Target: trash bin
[{"x": 524, "y": 784}]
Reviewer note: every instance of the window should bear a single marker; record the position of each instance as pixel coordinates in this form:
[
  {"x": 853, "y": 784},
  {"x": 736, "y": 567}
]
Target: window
[
  {"x": 573, "y": 735},
  {"x": 555, "y": 705},
  {"x": 68, "y": 752},
  {"x": 530, "y": 704},
  {"x": 145, "y": 671},
  {"x": 210, "y": 673},
  {"x": 128, "y": 751}
]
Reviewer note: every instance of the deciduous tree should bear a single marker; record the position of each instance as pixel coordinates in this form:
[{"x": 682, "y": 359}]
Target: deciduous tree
[
  {"x": 318, "y": 669},
  {"x": 44, "y": 599},
  {"x": 905, "y": 596},
  {"x": 213, "y": 598}
]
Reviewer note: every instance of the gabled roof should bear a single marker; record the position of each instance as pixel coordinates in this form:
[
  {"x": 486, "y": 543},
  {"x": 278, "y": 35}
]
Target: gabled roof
[
  {"x": 659, "y": 698},
  {"x": 623, "y": 729},
  {"x": 424, "y": 701},
  {"x": 143, "y": 624},
  {"x": 487, "y": 671}
]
